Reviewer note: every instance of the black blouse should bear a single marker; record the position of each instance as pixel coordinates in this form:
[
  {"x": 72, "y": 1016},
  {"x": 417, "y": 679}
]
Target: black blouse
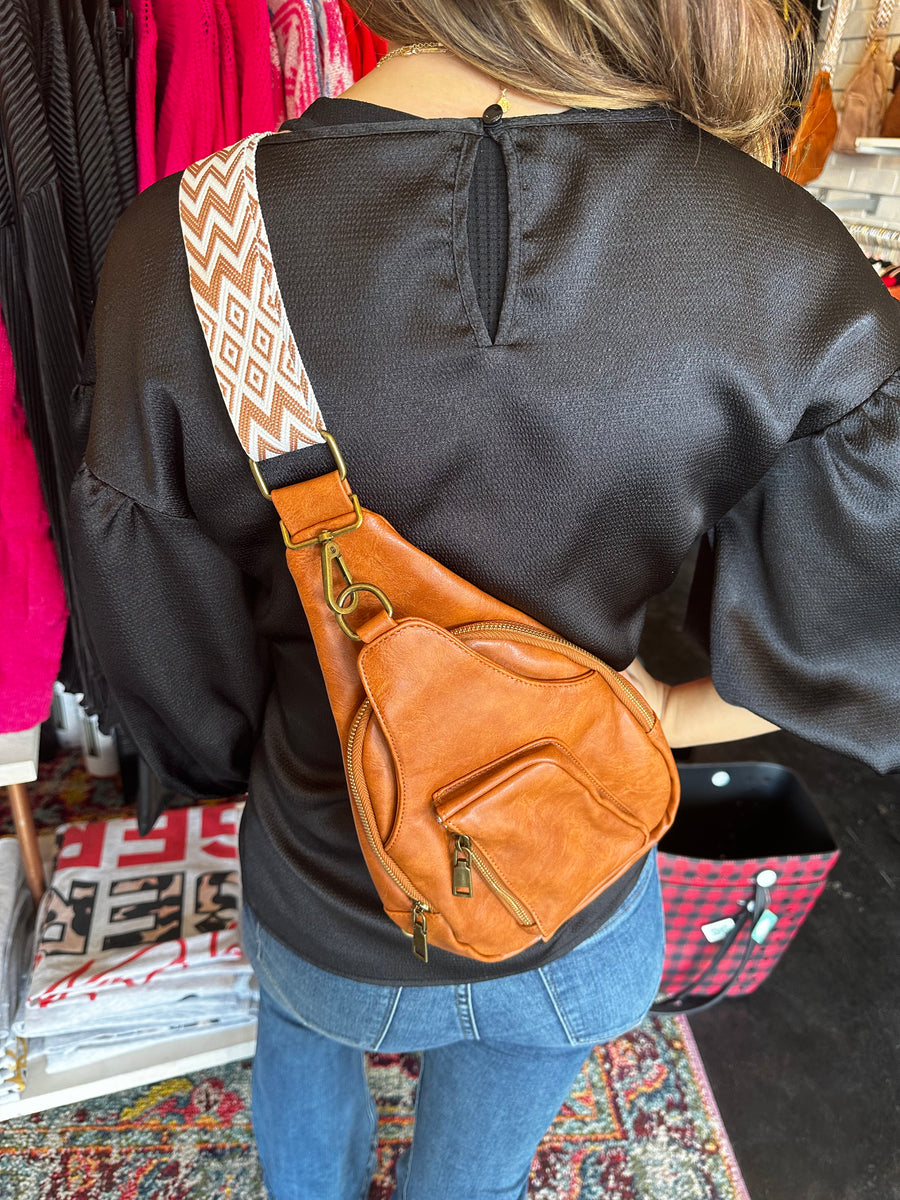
[{"x": 680, "y": 341}]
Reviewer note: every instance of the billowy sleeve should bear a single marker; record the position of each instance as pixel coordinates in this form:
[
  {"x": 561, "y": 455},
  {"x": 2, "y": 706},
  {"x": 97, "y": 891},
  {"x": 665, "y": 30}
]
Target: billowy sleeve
[{"x": 804, "y": 620}]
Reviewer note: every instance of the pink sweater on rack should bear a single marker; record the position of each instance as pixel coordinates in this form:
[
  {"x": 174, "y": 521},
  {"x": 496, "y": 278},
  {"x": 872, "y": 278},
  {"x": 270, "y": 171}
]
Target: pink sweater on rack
[
  {"x": 205, "y": 77},
  {"x": 34, "y": 607},
  {"x": 336, "y": 67},
  {"x": 145, "y": 91},
  {"x": 259, "y": 86},
  {"x": 190, "y": 123},
  {"x": 296, "y": 34}
]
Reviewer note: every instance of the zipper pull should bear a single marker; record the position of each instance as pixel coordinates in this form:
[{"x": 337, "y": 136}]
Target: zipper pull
[
  {"x": 462, "y": 867},
  {"x": 420, "y": 932}
]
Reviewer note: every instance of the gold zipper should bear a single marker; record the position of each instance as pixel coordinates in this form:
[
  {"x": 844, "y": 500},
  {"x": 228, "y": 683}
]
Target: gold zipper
[
  {"x": 420, "y": 904},
  {"x": 419, "y": 900},
  {"x": 518, "y": 910},
  {"x": 420, "y": 932},
  {"x": 462, "y": 865},
  {"x": 633, "y": 700}
]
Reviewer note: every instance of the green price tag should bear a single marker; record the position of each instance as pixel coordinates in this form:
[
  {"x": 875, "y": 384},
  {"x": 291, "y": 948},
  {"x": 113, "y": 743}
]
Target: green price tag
[{"x": 764, "y": 926}]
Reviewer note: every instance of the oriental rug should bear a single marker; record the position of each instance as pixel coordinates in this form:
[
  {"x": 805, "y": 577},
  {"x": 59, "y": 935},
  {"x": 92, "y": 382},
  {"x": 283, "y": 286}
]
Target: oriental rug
[{"x": 639, "y": 1124}]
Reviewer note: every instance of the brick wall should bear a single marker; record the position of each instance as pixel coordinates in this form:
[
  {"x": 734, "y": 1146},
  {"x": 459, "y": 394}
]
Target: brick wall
[{"x": 867, "y": 185}]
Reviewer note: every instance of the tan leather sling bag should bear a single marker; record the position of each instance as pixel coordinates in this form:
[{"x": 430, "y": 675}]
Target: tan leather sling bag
[{"x": 500, "y": 777}]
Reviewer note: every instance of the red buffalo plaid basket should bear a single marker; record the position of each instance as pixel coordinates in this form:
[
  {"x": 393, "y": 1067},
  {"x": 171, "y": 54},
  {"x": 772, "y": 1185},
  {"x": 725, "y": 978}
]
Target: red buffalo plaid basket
[{"x": 741, "y": 867}]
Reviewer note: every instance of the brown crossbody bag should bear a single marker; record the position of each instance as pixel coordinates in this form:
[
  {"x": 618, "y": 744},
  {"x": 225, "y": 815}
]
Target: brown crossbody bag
[{"x": 500, "y": 777}]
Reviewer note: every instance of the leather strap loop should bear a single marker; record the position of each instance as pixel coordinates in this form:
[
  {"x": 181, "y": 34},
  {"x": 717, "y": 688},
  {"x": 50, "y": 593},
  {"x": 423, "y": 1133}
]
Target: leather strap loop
[{"x": 318, "y": 504}]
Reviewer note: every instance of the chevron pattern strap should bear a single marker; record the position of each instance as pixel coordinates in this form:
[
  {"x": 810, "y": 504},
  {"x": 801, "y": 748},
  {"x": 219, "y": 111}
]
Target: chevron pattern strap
[{"x": 261, "y": 376}]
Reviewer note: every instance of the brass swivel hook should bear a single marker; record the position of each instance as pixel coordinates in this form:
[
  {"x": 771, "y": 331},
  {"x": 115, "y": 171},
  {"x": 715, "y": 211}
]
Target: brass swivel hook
[{"x": 331, "y": 554}]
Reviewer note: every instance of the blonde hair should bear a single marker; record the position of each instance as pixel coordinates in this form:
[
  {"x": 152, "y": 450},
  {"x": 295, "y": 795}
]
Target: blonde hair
[{"x": 737, "y": 68}]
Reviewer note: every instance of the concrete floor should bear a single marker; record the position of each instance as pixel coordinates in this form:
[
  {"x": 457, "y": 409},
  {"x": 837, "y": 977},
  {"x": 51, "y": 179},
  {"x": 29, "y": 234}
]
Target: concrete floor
[{"x": 806, "y": 1070}]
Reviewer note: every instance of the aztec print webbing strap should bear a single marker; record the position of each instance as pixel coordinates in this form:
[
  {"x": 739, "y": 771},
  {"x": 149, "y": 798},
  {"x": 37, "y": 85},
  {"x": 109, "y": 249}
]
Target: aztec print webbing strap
[{"x": 235, "y": 288}]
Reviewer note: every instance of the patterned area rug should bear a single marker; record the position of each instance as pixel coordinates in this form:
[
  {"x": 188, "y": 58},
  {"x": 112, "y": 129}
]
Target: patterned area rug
[{"x": 639, "y": 1124}]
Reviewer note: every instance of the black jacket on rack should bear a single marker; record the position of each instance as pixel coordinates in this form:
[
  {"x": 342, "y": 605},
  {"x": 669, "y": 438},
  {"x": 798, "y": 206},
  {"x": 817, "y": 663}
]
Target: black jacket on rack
[
  {"x": 687, "y": 342},
  {"x": 67, "y": 171}
]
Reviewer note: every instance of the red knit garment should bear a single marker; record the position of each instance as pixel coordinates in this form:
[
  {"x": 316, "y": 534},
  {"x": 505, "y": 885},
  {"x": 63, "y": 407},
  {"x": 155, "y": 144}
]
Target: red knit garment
[
  {"x": 364, "y": 47},
  {"x": 259, "y": 92},
  {"x": 188, "y": 88},
  {"x": 296, "y": 33},
  {"x": 229, "y": 100},
  {"x": 34, "y": 606},
  {"x": 206, "y": 76},
  {"x": 337, "y": 73}
]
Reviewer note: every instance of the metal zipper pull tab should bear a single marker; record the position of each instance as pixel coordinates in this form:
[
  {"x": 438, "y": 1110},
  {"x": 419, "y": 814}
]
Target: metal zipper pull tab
[
  {"x": 420, "y": 932},
  {"x": 462, "y": 867}
]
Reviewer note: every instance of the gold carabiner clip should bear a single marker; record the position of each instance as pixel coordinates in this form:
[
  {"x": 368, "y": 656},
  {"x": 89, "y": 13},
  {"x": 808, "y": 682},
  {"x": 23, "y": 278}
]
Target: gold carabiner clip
[
  {"x": 353, "y": 592},
  {"x": 331, "y": 553},
  {"x": 347, "y": 600}
]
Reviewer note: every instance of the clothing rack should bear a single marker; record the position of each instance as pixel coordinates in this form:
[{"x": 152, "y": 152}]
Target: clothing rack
[{"x": 874, "y": 237}]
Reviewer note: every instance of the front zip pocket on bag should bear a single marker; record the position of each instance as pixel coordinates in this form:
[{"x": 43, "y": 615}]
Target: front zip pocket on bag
[
  {"x": 501, "y": 778},
  {"x": 538, "y": 829},
  {"x": 465, "y": 857}
]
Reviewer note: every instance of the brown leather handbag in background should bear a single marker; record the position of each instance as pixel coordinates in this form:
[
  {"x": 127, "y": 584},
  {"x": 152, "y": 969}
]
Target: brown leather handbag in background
[
  {"x": 813, "y": 141},
  {"x": 500, "y": 777},
  {"x": 890, "y": 126},
  {"x": 865, "y": 99}
]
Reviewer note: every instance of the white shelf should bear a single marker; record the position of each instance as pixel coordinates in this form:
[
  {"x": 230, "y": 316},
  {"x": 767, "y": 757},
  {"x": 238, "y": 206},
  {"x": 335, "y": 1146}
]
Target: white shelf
[
  {"x": 878, "y": 145},
  {"x": 19, "y": 756},
  {"x": 163, "y": 1060}
]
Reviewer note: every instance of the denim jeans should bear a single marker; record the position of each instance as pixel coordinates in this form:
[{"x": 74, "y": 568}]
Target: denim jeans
[{"x": 498, "y": 1059}]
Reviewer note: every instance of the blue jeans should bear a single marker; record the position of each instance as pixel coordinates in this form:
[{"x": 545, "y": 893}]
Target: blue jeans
[{"x": 499, "y": 1058}]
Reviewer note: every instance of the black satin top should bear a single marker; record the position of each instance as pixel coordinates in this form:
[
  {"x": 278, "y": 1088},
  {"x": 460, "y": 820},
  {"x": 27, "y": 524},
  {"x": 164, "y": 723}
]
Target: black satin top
[{"x": 685, "y": 342}]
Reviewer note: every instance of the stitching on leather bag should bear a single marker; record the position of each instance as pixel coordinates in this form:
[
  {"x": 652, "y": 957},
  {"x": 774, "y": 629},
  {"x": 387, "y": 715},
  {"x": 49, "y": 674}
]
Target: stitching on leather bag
[
  {"x": 568, "y": 753},
  {"x": 401, "y": 794},
  {"x": 537, "y": 683},
  {"x": 398, "y": 821},
  {"x": 517, "y": 891},
  {"x": 419, "y": 624},
  {"x": 526, "y": 899}
]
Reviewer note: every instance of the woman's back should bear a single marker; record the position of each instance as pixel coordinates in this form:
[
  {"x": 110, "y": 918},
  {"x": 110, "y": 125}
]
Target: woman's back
[{"x": 552, "y": 368}]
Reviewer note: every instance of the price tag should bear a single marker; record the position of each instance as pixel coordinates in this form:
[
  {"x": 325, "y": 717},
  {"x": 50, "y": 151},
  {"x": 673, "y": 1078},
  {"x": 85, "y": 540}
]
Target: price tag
[
  {"x": 715, "y": 931},
  {"x": 764, "y": 926}
]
